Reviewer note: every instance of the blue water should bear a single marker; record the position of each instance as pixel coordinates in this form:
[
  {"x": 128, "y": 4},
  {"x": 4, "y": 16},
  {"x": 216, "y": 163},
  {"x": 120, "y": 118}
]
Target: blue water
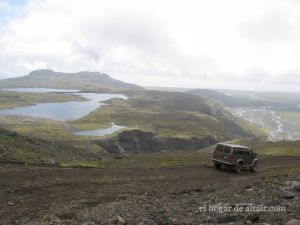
[
  {"x": 100, "y": 133},
  {"x": 65, "y": 110}
]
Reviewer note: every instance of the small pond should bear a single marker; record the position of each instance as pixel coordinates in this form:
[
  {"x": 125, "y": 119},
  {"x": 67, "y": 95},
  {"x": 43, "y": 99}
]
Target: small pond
[{"x": 100, "y": 132}]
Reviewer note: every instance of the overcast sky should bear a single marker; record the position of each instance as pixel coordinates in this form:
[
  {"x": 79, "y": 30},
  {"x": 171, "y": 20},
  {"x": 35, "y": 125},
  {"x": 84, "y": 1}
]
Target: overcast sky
[{"x": 239, "y": 44}]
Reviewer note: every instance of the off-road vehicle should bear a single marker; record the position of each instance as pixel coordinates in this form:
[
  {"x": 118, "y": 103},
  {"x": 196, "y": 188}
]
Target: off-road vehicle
[{"x": 234, "y": 156}]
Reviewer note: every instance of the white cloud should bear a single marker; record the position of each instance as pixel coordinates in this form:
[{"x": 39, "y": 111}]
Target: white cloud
[{"x": 197, "y": 43}]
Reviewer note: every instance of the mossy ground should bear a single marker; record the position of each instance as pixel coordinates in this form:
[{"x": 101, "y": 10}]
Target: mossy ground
[
  {"x": 14, "y": 99},
  {"x": 283, "y": 148},
  {"x": 150, "y": 160},
  {"x": 165, "y": 114}
]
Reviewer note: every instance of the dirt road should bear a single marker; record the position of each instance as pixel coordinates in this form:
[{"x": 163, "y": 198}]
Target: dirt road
[{"x": 47, "y": 194}]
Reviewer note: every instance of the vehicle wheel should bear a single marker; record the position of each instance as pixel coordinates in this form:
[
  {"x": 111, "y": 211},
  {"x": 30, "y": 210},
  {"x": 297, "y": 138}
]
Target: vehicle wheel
[
  {"x": 218, "y": 166},
  {"x": 238, "y": 167},
  {"x": 253, "y": 168}
]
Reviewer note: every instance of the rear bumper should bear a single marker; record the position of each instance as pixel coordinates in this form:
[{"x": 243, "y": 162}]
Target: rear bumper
[{"x": 222, "y": 162}]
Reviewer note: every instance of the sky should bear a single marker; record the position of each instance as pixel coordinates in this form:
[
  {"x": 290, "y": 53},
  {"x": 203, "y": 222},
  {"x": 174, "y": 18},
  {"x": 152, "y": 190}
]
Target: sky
[{"x": 232, "y": 44}]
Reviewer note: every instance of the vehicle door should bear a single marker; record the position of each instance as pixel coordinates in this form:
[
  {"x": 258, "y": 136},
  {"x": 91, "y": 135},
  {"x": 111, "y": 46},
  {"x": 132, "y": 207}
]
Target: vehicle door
[
  {"x": 225, "y": 153},
  {"x": 247, "y": 156}
]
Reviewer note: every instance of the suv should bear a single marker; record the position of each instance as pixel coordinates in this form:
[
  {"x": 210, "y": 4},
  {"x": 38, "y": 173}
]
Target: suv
[{"x": 234, "y": 156}]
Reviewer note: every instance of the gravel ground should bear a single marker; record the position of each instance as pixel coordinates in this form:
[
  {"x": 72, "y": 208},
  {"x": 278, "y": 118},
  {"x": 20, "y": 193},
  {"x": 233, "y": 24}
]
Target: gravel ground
[{"x": 173, "y": 196}]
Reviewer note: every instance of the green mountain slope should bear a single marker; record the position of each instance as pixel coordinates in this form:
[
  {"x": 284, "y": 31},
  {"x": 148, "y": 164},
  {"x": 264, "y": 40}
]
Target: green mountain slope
[
  {"x": 238, "y": 100},
  {"x": 29, "y": 149},
  {"x": 86, "y": 81},
  {"x": 163, "y": 120}
]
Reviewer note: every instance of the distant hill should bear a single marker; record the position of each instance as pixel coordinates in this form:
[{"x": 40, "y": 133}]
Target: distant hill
[
  {"x": 88, "y": 81},
  {"x": 168, "y": 89},
  {"x": 236, "y": 100}
]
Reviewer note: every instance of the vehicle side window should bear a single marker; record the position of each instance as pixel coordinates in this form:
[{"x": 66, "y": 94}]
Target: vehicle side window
[
  {"x": 227, "y": 149},
  {"x": 238, "y": 151},
  {"x": 246, "y": 152},
  {"x": 220, "y": 148}
]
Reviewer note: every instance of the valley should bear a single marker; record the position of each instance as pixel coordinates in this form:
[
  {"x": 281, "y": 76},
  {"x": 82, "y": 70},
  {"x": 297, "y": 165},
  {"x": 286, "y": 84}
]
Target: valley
[
  {"x": 275, "y": 121},
  {"x": 115, "y": 153},
  {"x": 151, "y": 121},
  {"x": 276, "y": 113},
  {"x": 149, "y": 112}
]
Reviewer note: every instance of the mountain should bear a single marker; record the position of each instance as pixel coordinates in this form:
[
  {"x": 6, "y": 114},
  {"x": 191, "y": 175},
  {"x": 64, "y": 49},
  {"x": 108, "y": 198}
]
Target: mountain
[
  {"x": 88, "y": 81},
  {"x": 237, "y": 100}
]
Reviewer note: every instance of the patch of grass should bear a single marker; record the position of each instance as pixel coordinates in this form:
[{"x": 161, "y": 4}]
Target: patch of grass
[
  {"x": 287, "y": 148},
  {"x": 291, "y": 117},
  {"x": 296, "y": 169},
  {"x": 104, "y": 163},
  {"x": 151, "y": 160},
  {"x": 252, "y": 128},
  {"x": 166, "y": 114},
  {"x": 42, "y": 128},
  {"x": 282, "y": 151},
  {"x": 85, "y": 164}
]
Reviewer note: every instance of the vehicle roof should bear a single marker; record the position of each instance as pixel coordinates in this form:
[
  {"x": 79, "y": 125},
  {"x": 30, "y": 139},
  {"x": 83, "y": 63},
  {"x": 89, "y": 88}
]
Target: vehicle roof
[{"x": 233, "y": 145}]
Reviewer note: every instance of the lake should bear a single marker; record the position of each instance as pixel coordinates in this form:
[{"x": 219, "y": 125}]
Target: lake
[{"x": 60, "y": 111}]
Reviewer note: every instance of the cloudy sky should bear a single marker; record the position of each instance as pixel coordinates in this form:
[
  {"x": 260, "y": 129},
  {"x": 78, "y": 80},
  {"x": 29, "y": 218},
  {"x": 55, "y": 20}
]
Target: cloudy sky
[{"x": 240, "y": 44}]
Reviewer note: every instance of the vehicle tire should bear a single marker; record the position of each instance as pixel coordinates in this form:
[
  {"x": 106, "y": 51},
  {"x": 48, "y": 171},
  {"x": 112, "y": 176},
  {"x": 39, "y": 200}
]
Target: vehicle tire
[
  {"x": 218, "y": 166},
  {"x": 238, "y": 167},
  {"x": 253, "y": 167}
]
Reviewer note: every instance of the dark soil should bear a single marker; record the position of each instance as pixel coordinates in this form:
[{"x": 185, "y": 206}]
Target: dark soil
[{"x": 51, "y": 195}]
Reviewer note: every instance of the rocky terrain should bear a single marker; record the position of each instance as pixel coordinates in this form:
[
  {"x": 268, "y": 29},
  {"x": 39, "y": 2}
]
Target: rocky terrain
[
  {"x": 150, "y": 196},
  {"x": 138, "y": 141}
]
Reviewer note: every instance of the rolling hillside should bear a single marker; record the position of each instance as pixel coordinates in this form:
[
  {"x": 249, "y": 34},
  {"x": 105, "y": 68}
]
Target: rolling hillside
[
  {"x": 239, "y": 99},
  {"x": 16, "y": 148},
  {"x": 155, "y": 121}
]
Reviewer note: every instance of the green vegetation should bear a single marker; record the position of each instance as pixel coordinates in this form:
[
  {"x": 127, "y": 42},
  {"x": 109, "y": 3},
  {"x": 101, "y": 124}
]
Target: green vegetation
[
  {"x": 253, "y": 129},
  {"x": 188, "y": 158},
  {"x": 166, "y": 114},
  {"x": 263, "y": 148},
  {"x": 291, "y": 117},
  {"x": 14, "y": 99},
  {"x": 288, "y": 148},
  {"x": 233, "y": 98},
  {"x": 171, "y": 118},
  {"x": 295, "y": 169},
  {"x": 151, "y": 160},
  {"x": 281, "y": 98},
  {"x": 291, "y": 97},
  {"x": 32, "y": 149},
  {"x": 175, "y": 115}
]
